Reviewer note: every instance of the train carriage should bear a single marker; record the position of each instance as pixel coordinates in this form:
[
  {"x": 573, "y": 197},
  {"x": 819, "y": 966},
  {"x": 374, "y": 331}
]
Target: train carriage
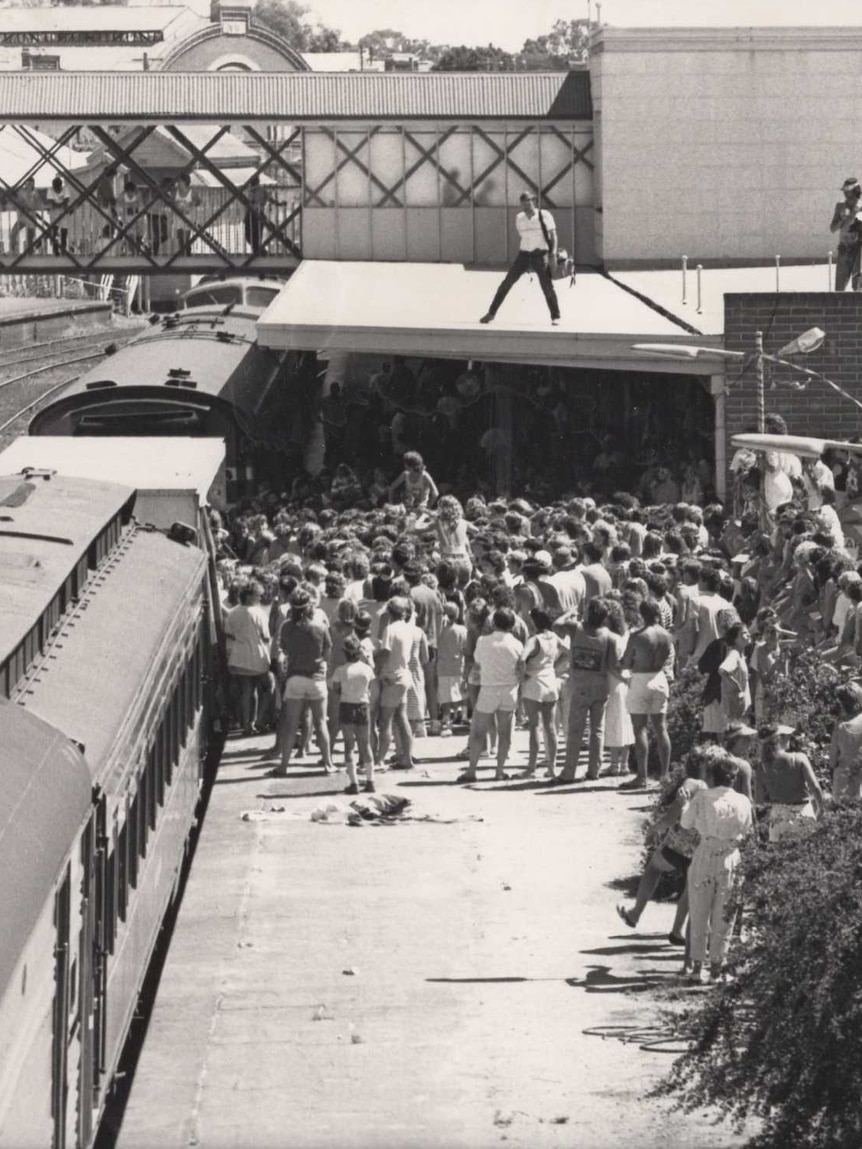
[
  {"x": 107, "y": 674},
  {"x": 197, "y": 372}
]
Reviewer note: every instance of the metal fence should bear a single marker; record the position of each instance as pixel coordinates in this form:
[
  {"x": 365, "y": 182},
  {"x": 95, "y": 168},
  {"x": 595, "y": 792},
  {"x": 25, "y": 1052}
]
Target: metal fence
[{"x": 158, "y": 229}]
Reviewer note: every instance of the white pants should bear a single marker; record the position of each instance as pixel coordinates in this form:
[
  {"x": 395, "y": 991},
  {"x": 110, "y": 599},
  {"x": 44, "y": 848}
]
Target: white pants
[{"x": 710, "y": 881}]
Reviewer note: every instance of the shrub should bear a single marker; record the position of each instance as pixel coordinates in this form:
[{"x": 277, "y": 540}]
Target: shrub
[{"x": 782, "y": 1040}]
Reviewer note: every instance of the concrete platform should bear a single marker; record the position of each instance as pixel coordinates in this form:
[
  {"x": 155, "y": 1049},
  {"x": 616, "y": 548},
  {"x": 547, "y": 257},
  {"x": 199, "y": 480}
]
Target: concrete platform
[
  {"x": 408, "y": 986},
  {"x": 29, "y": 319}
]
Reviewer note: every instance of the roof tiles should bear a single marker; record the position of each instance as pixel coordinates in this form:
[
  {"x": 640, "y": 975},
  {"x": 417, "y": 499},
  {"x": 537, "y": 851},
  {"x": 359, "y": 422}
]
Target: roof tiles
[{"x": 295, "y": 96}]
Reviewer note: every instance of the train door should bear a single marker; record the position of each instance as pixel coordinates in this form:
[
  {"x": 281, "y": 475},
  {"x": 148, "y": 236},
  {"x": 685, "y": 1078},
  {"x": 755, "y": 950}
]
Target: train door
[
  {"x": 60, "y": 1044},
  {"x": 105, "y": 903},
  {"x": 87, "y": 958}
]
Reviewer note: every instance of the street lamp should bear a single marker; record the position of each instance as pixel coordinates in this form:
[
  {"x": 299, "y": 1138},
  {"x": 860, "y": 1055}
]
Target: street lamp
[{"x": 803, "y": 344}]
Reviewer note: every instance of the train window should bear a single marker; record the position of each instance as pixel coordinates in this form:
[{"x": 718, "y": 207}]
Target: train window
[
  {"x": 110, "y": 902},
  {"x": 121, "y": 864},
  {"x": 187, "y": 706},
  {"x": 31, "y": 645},
  {"x": 80, "y": 577},
  {"x": 261, "y": 296},
  {"x": 176, "y": 722},
  {"x": 133, "y": 838},
  {"x": 213, "y": 295},
  {"x": 16, "y": 667},
  {"x": 163, "y": 767},
  {"x": 148, "y": 777}
]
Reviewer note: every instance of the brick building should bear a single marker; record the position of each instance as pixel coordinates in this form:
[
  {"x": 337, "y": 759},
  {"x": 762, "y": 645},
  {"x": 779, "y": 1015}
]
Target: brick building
[{"x": 819, "y": 409}]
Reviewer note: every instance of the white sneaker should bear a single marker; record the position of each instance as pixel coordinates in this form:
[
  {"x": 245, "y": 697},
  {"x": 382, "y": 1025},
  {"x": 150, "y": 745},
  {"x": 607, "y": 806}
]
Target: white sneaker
[{"x": 555, "y": 323}]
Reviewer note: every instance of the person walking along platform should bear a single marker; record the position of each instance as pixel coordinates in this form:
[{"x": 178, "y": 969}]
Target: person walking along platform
[{"x": 538, "y": 253}]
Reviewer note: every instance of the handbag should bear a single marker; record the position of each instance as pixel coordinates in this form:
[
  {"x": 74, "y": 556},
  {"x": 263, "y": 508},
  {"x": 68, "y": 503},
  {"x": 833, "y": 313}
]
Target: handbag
[{"x": 562, "y": 266}]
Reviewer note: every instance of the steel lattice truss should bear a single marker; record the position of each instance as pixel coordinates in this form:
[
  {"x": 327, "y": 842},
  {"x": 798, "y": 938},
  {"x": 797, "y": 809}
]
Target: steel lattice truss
[
  {"x": 232, "y": 226},
  {"x": 253, "y": 182},
  {"x": 349, "y": 152}
]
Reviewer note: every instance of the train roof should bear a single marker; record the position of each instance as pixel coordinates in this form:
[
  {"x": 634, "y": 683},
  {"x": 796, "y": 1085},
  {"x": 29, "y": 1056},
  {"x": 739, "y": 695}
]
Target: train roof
[
  {"x": 46, "y": 525},
  {"x": 45, "y": 795},
  {"x": 144, "y": 462},
  {"x": 204, "y": 343},
  {"x": 98, "y": 675},
  {"x": 203, "y": 354}
]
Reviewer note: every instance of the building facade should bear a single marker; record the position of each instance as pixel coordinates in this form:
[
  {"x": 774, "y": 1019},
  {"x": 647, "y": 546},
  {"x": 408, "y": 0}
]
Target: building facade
[{"x": 727, "y": 145}]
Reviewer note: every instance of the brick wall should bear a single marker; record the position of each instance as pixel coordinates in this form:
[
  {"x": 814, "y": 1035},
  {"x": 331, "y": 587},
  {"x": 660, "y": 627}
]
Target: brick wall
[{"x": 818, "y": 410}]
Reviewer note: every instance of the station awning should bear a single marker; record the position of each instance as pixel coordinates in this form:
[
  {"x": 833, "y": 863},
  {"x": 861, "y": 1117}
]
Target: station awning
[{"x": 433, "y": 310}]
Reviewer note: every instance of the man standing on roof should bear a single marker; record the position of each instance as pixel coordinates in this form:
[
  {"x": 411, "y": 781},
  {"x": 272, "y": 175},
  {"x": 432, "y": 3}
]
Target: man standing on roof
[
  {"x": 538, "y": 234},
  {"x": 845, "y": 220}
]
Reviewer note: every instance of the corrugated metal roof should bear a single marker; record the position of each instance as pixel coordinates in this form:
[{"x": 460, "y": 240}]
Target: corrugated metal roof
[{"x": 294, "y": 96}]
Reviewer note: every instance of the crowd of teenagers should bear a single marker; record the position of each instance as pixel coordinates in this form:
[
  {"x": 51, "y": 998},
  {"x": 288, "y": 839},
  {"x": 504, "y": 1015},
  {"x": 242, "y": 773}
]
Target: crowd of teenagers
[{"x": 383, "y": 623}]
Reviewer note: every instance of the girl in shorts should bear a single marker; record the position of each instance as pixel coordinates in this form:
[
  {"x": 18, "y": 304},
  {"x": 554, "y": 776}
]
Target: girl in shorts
[
  {"x": 351, "y": 683},
  {"x": 541, "y": 689}
]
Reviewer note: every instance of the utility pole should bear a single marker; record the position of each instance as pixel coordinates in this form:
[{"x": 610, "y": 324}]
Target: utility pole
[{"x": 761, "y": 386}]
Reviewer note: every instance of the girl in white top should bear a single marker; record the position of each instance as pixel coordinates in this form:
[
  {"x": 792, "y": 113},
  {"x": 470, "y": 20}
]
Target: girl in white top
[
  {"x": 351, "y": 684},
  {"x": 419, "y": 488},
  {"x": 541, "y": 689}
]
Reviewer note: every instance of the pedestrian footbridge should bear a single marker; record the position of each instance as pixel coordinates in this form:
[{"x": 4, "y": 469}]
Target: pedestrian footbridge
[{"x": 161, "y": 173}]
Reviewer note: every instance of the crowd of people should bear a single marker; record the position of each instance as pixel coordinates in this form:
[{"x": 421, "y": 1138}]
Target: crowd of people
[
  {"x": 381, "y": 620},
  {"x": 131, "y": 216}
]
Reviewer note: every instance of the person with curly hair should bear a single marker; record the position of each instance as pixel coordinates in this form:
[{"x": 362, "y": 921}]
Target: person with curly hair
[{"x": 454, "y": 538}]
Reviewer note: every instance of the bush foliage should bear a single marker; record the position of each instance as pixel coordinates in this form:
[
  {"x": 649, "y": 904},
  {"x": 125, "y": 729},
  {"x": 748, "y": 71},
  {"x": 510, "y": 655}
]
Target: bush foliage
[{"x": 782, "y": 1040}]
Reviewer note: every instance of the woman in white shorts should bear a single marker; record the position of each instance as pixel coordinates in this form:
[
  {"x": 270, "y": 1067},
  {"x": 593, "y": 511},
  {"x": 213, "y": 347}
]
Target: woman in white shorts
[
  {"x": 541, "y": 689},
  {"x": 499, "y": 658}
]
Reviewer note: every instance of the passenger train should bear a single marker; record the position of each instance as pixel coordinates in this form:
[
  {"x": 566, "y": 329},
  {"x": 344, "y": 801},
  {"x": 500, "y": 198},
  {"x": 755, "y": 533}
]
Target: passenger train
[
  {"x": 199, "y": 372},
  {"x": 110, "y": 683}
]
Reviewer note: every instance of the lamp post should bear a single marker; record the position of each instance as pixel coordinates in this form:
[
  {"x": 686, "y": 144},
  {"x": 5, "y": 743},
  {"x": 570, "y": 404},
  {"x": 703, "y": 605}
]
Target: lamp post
[{"x": 803, "y": 344}]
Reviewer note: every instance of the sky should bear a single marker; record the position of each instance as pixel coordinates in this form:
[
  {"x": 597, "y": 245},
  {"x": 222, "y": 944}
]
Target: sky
[{"x": 508, "y": 23}]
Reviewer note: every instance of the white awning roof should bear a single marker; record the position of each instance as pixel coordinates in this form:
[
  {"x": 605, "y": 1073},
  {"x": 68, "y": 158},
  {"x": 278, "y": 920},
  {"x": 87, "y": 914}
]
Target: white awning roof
[
  {"x": 147, "y": 464},
  {"x": 433, "y": 309},
  {"x": 665, "y": 288}
]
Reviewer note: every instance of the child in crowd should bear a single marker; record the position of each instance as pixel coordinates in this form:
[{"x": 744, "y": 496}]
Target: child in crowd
[
  {"x": 351, "y": 684},
  {"x": 419, "y": 488},
  {"x": 450, "y": 666}
]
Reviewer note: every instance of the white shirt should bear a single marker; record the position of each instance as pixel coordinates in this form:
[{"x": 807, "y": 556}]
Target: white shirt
[
  {"x": 718, "y": 813},
  {"x": 530, "y": 230},
  {"x": 497, "y": 656}
]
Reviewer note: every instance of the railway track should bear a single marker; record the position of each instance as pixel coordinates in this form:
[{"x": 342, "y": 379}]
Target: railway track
[{"x": 41, "y": 370}]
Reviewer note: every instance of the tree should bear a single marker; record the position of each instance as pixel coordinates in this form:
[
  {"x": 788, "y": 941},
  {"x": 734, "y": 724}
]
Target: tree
[
  {"x": 464, "y": 59},
  {"x": 287, "y": 18},
  {"x": 782, "y": 1041},
  {"x": 565, "y": 46}
]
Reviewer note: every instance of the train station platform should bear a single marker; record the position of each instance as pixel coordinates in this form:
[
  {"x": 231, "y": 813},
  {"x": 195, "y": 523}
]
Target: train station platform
[
  {"x": 421, "y": 984},
  {"x": 31, "y": 319}
]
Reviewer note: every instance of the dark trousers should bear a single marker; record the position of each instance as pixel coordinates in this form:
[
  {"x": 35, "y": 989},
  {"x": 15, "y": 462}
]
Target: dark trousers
[
  {"x": 525, "y": 261},
  {"x": 847, "y": 268}
]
